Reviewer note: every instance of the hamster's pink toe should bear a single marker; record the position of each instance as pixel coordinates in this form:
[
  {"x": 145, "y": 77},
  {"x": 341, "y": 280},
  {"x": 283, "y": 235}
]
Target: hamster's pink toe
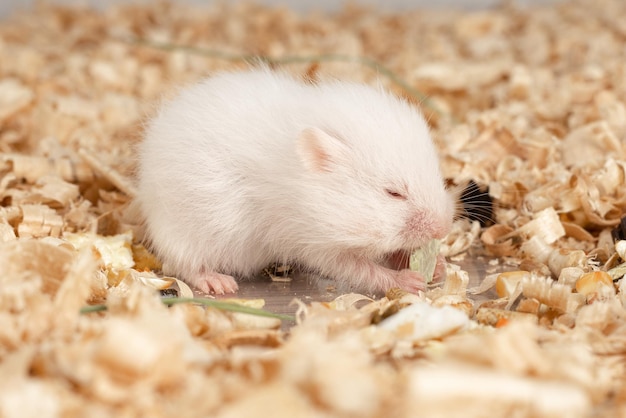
[{"x": 212, "y": 282}]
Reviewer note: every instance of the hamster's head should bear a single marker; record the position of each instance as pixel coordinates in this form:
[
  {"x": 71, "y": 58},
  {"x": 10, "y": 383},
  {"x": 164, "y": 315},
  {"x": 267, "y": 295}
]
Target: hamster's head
[{"x": 373, "y": 174}]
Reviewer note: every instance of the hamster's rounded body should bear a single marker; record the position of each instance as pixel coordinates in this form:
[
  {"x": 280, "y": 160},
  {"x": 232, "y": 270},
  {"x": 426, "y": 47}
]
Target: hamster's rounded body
[{"x": 248, "y": 168}]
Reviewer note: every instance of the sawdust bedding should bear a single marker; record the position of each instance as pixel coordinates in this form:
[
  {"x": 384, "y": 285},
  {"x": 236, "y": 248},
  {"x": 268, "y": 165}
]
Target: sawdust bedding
[{"x": 528, "y": 101}]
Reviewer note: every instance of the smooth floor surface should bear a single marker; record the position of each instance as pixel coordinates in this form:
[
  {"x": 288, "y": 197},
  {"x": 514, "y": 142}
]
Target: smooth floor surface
[{"x": 279, "y": 296}]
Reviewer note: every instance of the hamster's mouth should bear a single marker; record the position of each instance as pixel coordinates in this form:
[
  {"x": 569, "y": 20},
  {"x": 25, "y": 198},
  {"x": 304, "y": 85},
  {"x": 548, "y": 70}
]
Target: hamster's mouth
[{"x": 398, "y": 260}]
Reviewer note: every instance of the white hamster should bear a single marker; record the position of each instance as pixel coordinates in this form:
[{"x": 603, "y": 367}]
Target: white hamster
[{"x": 251, "y": 167}]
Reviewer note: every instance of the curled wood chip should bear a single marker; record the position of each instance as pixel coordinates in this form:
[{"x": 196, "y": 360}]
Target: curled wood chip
[
  {"x": 114, "y": 252},
  {"x": 460, "y": 238},
  {"x": 430, "y": 387},
  {"x": 57, "y": 242},
  {"x": 444, "y": 76},
  {"x": 348, "y": 301},
  {"x": 151, "y": 280},
  {"x": 76, "y": 287},
  {"x": 491, "y": 316},
  {"x": 535, "y": 248},
  {"x": 456, "y": 281},
  {"x": 520, "y": 82},
  {"x": 507, "y": 283},
  {"x": 618, "y": 272},
  {"x": 597, "y": 210},
  {"x": 576, "y": 231},
  {"x": 39, "y": 221},
  {"x": 546, "y": 227},
  {"x": 7, "y": 233},
  {"x": 563, "y": 258},
  {"x": 605, "y": 316},
  {"x": 32, "y": 168},
  {"x": 550, "y": 293},
  {"x": 486, "y": 284},
  {"x": 30, "y": 260},
  {"x": 250, "y": 337},
  {"x": 109, "y": 173},
  {"x": 570, "y": 275},
  {"x": 620, "y": 248},
  {"x": 14, "y": 96},
  {"x": 54, "y": 192},
  {"x": 462, "y": 303},
  {"x": 184, "y": 291},
  {"x": 498, "y": 240},
  {"x": 292, "y": 402},
  {"x": 589, "y": 145},
  {"x": 421, "y": 321},
  {"x": 253, "y": 322}
]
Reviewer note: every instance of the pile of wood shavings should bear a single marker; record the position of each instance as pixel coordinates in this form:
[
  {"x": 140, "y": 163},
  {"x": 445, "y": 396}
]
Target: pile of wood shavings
[{"x": 528, "y": 101}]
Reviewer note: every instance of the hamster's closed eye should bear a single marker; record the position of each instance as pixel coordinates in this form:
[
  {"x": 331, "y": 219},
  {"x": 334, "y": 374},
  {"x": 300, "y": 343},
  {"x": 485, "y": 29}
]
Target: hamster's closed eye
[{"x": 395, "y": 194}]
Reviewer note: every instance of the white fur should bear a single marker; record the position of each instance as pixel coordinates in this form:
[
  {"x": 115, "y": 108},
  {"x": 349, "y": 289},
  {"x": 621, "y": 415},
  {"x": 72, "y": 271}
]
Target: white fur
[{"x": 228, "y": 184}]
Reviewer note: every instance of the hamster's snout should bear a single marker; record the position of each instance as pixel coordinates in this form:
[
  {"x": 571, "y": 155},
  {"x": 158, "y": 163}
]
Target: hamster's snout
[{"x": 424, "y": 225}]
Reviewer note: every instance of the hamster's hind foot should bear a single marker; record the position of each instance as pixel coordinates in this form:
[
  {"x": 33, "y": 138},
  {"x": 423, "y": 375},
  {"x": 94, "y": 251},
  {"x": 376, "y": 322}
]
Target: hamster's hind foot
[{"x": 212, "y": 282}]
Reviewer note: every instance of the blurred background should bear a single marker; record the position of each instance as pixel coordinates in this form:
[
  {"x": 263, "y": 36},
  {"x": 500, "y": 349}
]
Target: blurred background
[{"x": 7, "y": 6}]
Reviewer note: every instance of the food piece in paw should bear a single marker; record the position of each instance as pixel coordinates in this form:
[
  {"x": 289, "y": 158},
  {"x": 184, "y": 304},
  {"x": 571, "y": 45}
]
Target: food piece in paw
[
  {"x": 366, "y": 275},
  {"x": 428, "y": 262}
]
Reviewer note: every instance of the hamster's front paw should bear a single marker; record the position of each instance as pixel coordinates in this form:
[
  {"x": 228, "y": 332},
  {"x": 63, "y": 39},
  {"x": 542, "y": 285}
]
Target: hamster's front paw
[
  {"x": 410, "y": 280},
  {"x": 212, "y": 282}
]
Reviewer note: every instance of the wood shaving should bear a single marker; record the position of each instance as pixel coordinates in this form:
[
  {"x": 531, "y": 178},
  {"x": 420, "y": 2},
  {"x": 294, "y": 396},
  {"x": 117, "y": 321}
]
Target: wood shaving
[{"x": 530, "y": 102}]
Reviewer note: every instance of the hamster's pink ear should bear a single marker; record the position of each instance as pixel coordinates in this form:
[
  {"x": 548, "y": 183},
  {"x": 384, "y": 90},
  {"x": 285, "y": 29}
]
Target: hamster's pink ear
[{"x": 319, "y": 150}]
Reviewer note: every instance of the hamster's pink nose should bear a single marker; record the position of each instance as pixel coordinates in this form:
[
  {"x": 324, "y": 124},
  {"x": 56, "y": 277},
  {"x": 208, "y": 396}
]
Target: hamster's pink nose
[
  {"x": 440, "y": 231},
  {"x": 441, "y": 228},
  {"x": 426, "y": 225}
]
